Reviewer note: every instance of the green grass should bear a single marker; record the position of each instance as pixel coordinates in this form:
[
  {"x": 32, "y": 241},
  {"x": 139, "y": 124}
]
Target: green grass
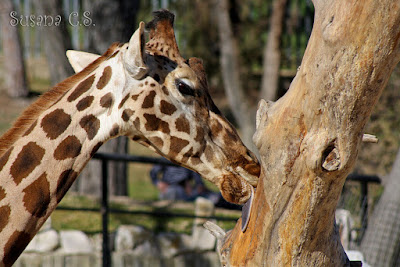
[{"x": 90, "y": 221}]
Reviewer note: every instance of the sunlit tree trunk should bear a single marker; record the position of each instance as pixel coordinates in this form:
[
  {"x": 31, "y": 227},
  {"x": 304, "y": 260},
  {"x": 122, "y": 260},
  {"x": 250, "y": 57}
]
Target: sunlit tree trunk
[{"x": 309, "y": 139}]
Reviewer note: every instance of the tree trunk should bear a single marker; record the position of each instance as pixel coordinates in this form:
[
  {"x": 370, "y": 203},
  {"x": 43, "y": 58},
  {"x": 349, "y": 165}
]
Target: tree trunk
[
  {"x": 14, "y": 68},
  {"x": 272, "y": 52},
  {"x": 309, "y": 139},
  {"x": 381, "y": 245},
  {"x": 115, "y": 21},
  {"x": 57, "y": 40},
  {"x": 230, "y": 66}
]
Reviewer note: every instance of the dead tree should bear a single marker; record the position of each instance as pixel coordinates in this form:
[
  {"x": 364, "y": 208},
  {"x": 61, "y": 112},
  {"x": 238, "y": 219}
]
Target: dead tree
[{"x": 309, "y": 139}]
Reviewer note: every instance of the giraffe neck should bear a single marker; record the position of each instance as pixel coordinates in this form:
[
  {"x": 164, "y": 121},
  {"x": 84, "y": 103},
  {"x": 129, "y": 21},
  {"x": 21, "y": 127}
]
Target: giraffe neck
[{"x": 40, "y": 166}]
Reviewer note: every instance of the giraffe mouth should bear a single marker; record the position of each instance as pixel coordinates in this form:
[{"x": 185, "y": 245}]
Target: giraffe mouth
[{"x": 249, "y": 177}]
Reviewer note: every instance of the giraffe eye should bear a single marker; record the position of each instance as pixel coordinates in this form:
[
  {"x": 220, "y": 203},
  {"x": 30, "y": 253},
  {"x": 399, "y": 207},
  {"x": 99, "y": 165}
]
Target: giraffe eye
[{"x": 184, "y": 89}]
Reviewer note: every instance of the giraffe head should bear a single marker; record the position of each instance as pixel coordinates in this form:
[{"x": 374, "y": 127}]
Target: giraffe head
[{"x": 167, "y": 107}]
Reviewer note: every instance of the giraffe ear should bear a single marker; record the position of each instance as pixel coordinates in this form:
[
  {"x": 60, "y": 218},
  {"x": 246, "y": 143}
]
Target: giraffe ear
[
  {"x": 80, "y": 60},
  {"x": 133, "y": 57}
]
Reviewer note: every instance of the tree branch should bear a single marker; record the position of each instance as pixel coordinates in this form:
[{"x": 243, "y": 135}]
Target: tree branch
[{"x": 272, "y": 52}]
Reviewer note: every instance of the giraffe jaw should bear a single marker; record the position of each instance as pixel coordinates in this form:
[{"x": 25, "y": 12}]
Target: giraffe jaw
[{"x": 250, "y": 178}]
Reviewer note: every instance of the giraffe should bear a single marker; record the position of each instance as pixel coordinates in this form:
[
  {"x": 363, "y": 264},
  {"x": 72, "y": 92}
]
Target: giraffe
[{"x": 146, "y": 91}]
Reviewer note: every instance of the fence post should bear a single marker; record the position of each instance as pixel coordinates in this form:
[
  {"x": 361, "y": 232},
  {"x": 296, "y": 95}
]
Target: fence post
[
  {"x": 364, "y": 207},
  {"x": 106, "y": 254}
]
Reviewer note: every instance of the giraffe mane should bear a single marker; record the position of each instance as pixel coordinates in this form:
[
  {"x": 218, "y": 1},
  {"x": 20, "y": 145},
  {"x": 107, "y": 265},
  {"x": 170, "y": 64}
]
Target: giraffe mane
[{"x": 31, "y": 113}]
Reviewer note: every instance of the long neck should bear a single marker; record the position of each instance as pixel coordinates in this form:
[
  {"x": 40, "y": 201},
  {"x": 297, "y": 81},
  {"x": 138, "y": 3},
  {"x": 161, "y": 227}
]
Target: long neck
[{"x": 39, "y": 167}]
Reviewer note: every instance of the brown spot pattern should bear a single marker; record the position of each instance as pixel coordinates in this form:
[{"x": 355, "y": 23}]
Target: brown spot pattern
[
  {"x": 187, "y": 155},
  {"x": 126, "y": 114},
  {"x": 83, "y": 87},
  {"x": 2, "y": 195},
  {"x": 176, "y": 145},
  {"x": 4, "y": 158},
  {"x": 135, "y": 97},
  {"x": 91, "y": 125},
  {"x": 165, "y": 90},
  {"x": 30, "y": 129},
  {"x": 199, "y": 135},
  {"x": 123, "y": 101},
  {"x": 14, "y": 247},
  {"x": 156, "y": 141},
  {"x": 55, "y": 123},
  {"x": 107, "y": 100},
  {"x": 37, "y": 196},
  {"x": 195, "y": 160},
  {"x": 95, "y": 148},
  {"x": 136, "y": 122},
  {"x": 167, "y": 108},
  {"x": 105, "y": 78},
  {"x": 64, "y": 183},
  {"x": 114, "y": 131},
  {"x": 216, "y": 128},
  {"x": 70, "y": 147},
  {"x": 182, "y": 124},
  {"x": 208, "y": 151},
  {"x": 148, "y": 101},
  {"x": 4, "y": 216},
  {"x": 84, "y": 103},
  {"x": 27, "y": 160},
  {"x": 155, "y": 124}
]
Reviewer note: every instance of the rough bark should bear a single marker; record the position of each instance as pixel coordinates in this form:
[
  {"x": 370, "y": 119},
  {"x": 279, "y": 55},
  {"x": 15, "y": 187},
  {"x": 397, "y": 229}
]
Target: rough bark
[
  {"x": 57, "y": 40},
  {"x": 380, "y": 244},
  {"x": 230, "y": 66},
  {"x": 272, "y": 52},
  {"x": 14, "y": 74},
  {"x": 309, "y": 139}
]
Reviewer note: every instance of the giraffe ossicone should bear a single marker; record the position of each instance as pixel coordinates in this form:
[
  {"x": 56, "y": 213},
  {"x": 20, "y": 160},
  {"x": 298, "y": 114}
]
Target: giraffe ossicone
[{"x": 146, "y": 91}]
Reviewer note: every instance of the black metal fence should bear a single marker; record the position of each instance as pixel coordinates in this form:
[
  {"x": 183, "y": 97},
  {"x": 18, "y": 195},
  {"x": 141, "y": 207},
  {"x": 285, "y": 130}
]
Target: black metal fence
[{"x": 105, "y": 209}]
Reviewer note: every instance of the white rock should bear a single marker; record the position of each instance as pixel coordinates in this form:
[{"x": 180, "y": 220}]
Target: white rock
[
  {"x": 130, "y": 236},
  {"x": 345, "y": 224},
  {"x": 203, "y": 239},
  {"x": 74, "y": 241},
  {"x": 146, "y": 250},
  {"x": 44, "y": 241},
  {"x": 169, "y": 244}
]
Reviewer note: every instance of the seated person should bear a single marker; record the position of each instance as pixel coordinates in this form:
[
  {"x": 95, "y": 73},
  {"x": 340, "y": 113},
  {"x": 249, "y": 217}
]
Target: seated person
[{"x": 178, "y": 183}]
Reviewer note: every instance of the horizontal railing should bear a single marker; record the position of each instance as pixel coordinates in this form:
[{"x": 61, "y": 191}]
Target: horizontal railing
[{"x": 105, "y": 209}]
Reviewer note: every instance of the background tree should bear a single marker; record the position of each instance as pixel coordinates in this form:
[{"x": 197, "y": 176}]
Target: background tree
[
  {"x": 57, "y": 40},
  {"x": 14, "y": 70}
]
